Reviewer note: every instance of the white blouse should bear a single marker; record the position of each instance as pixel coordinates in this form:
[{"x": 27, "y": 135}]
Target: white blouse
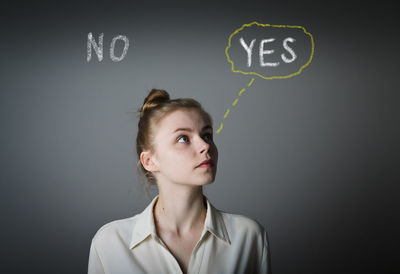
[{"x": 229, "y": 243}]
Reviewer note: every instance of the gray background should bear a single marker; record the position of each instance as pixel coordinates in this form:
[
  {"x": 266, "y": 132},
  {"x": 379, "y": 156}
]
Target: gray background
[{"x": 313, "y": 158}]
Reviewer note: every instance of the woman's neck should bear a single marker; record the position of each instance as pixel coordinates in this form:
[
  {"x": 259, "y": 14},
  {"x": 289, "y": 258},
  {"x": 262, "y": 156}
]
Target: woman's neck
[{"x": 180, "y": 209}]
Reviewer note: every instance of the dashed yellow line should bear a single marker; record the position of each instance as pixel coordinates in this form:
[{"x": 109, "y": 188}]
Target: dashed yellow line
[
  {"x": 226, "y": 114},
  {"x": 220, "y": 127},
  {"x": 251, "y": 82},
  {"x": 233, "y": 104}
]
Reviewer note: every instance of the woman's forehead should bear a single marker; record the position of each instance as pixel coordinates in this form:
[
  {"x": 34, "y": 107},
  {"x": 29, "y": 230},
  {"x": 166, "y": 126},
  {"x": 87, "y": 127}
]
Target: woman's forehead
[{"x": 182, "y": 118}]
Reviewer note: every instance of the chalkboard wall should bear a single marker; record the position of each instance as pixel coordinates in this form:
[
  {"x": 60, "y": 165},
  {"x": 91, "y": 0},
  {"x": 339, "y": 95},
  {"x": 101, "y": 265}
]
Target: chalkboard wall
[{"x": 314, "y": 158}]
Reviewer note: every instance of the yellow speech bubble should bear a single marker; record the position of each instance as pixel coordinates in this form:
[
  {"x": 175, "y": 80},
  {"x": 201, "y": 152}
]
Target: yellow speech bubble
[
  {"x": 269, "y": 26},
  {"x": 255, "y": 73}
]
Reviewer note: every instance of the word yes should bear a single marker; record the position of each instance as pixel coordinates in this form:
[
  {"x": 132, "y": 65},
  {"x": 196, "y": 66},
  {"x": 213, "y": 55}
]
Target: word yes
[
  {"x": 262, "y": 51},
  {"x": 98, "y": 47}
]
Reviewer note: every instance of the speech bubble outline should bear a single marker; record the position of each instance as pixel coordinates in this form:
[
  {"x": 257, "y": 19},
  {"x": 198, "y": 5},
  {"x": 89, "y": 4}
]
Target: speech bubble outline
[
  {"x": 254, "y": 73},
  {"x": 273, "y": 26}
]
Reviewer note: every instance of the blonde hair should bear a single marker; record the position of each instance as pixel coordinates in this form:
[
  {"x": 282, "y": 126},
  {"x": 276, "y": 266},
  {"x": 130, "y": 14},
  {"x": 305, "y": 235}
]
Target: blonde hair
[{"x": 155, "y": 106}]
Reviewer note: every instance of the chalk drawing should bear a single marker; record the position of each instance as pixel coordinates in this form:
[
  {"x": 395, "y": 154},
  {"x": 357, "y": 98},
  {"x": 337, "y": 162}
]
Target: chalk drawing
[
  {"x": 98, "y": 47},
  {"x": 249, "y": 48},
  {"x": 234, "y": 104}
]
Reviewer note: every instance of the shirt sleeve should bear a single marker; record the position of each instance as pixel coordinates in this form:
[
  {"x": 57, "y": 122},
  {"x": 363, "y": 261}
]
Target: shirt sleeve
[
  {"x": 266, "y": 257},
  {"x": 95, "y": 265}
]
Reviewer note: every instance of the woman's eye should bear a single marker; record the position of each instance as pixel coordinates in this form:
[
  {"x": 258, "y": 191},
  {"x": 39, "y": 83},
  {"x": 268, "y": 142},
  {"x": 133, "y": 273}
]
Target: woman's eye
[
  {"x": 184, "y": 139},
  {"x": 208, "y": 137}
]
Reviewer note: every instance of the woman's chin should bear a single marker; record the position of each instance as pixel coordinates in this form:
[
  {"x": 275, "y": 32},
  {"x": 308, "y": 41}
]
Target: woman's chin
[{"x": 207, "y": 181}]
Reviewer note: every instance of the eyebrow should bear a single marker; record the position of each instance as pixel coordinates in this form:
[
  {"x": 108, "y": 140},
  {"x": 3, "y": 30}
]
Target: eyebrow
[{"x": 190, "y": 130}]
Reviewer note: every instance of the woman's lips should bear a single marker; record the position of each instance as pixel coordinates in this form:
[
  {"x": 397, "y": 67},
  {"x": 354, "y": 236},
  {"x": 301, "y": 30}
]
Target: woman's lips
[{"x": 206, "y": 163}]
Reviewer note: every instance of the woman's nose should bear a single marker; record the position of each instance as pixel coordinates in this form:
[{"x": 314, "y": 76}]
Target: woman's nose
[{"x": 203, "y": 146}]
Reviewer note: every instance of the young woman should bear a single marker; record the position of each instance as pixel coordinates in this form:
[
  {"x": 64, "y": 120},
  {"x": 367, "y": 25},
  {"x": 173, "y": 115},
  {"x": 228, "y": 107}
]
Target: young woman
[{"x": 180, "y": 231}]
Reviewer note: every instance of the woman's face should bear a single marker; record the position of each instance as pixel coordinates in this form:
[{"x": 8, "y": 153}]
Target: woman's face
[{"x": 182, "y": 141}]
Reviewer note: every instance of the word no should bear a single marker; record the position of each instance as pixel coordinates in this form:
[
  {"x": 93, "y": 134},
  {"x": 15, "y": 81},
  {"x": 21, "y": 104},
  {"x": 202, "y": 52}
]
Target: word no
[
  {"x": 262, "y": 51},
  {"x": 98, "y": 47}
]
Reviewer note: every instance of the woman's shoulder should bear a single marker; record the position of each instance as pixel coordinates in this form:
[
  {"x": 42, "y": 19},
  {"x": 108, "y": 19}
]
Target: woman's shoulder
[
  {"x": 241, "y": 224},
  {"x": 121, "y": 229}
]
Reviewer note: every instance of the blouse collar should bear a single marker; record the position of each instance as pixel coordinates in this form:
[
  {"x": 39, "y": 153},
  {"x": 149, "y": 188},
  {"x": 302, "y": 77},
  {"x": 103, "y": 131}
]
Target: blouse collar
[{"x": 145, "y": 226}]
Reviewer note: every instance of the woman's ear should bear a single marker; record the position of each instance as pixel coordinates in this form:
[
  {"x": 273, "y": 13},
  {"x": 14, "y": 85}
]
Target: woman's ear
[{"x": 147, "y": 160}]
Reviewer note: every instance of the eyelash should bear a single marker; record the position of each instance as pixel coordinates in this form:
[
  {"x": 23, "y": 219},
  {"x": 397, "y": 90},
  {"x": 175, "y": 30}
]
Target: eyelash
[{"x": 209, "y": 134}]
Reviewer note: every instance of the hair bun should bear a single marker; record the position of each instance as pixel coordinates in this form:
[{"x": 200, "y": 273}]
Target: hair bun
[{"x": 155, "y": 98}]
